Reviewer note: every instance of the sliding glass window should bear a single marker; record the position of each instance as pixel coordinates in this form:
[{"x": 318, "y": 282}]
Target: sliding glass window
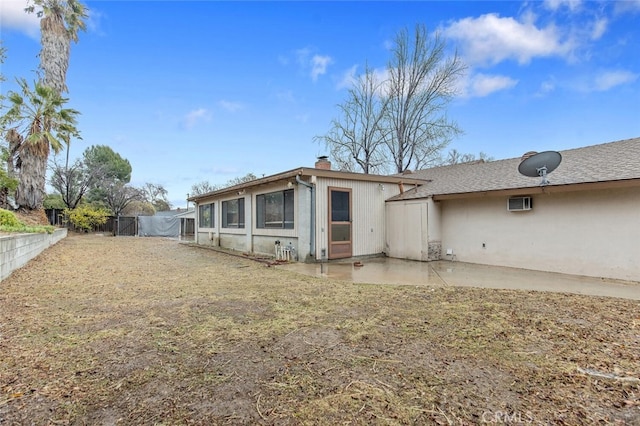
[
  {"x": 205, "y": 215},
  {"x": 233, "y": 213},
  {"x": 275, "y": 210}
]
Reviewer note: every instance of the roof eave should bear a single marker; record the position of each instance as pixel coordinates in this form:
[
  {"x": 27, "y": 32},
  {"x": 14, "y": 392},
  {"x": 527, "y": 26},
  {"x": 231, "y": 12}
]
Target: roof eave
[
  {"x": 546, "y": 189},
  {"x": 301, "y": 171}
]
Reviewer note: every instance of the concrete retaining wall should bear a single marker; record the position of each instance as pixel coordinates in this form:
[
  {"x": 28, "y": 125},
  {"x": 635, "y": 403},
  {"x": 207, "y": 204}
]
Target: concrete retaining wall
[{"x": 17, "y": 250}]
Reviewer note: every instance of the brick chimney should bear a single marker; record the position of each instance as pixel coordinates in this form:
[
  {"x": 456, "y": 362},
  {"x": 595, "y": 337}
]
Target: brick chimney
[{"x": 323, "y": 163}]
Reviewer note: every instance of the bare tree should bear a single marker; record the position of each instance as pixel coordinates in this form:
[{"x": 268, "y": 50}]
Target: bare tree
[
  {"x": 356, "y": 139},
  {"x": 242, "y": 179},
  {"x": 156, "y": 195},
  {"x": 421, "y": 84},
  {"x": 119, "y": 195},
  {"x": 456, "y": 157},
  {"x": 202, "y": 188},
  {"x": 205, "y": 186},
  {"x": 71, "y": 182},
  {"x": 138, "y": 208},
  {"x": 400, "y": 122}
]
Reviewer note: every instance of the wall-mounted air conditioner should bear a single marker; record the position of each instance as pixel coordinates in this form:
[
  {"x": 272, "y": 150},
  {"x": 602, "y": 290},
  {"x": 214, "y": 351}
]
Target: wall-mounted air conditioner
[{"x": 518, "y": 204}]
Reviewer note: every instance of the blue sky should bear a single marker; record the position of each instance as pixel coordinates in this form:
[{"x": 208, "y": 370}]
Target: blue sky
[{"x": 203, "y": 90}]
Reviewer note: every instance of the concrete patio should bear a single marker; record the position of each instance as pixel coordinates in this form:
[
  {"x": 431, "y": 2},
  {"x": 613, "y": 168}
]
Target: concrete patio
[{"x": 447, "y": 273}]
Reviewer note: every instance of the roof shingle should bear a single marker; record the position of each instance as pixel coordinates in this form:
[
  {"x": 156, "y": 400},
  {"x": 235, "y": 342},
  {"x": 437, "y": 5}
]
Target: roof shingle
[{"x": 611, "y": 161}]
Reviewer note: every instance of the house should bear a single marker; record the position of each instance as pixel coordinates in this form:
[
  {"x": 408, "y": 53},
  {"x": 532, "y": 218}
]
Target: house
[
  {"x": 187, "y": 221},
  {"x": 311, "y": 214},
  {"x": 585, "y": 221}
]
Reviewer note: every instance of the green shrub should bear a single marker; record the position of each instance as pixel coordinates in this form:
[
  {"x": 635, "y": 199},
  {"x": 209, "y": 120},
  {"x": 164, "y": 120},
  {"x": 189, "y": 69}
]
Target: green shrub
[
  {"x": 87, "y": 217},
  {"x": 9, "y": 219},
  {"x": 10, "y": 223}
]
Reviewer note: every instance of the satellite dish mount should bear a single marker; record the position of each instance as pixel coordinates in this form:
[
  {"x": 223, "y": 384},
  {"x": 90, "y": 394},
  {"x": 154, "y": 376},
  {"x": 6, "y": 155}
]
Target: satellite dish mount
[
  {"x": 539, "y": 164},
  {"x": 542, "y": 172}
]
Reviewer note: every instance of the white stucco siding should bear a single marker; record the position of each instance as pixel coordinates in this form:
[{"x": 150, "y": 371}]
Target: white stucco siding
[
  {"x": 236, "y": 242},
  {"x": 251, "y": 238},
  {"x": 593, "y": 233},
  {"x": 368, "y": 214}
]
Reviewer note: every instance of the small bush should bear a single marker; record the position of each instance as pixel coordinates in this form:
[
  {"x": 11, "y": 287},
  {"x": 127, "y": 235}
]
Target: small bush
[
  {"x": 87, "y": 217},
  {"x": 10, "y": 223},
  {"x": 9, "y": 219}
]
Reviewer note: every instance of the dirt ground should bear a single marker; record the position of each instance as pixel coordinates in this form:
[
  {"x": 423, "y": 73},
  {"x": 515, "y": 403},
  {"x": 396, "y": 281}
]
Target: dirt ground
[{"x": 121, "y": 330}]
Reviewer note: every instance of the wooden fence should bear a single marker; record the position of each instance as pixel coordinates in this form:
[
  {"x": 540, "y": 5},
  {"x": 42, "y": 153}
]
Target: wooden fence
[{"x": 115, "y": 225}]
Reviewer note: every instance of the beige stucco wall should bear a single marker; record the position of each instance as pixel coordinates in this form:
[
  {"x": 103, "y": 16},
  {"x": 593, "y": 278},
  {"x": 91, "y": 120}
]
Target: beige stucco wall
[
  {"x": 413, "y": 230},
  {"x": 593, "y": 233},
  {"x": 407, "y": 230}
]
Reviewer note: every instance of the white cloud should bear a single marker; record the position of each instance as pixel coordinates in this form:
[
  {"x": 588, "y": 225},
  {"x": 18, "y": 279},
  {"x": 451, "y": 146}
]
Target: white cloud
[
  {"x": 230, "y": 106},
  {"x": 314, "y": 63},
  {"x": 94, "y": 21},
  {"x": 381, "y": 77},
  {"x": 490, "y": 39},
  {"x": 12, "y": 15},
  {"x": 481, "y": 85},
  {"x": 629, "y": 6},
  {"x": 196, "y": 116},
  {"x": 302, "y": 56},
  {"x": 546, "y": 87},
  {"x": 599, "y": 28},
  {"x": 348, "y": 78},
  {"x": 610, "y": 79},
  {"x": 572, "y": 5},
  {"x": 319, "y": 66}
]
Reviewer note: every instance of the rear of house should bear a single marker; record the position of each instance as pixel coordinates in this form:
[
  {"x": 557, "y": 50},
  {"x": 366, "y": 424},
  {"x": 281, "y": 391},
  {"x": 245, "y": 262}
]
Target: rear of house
[
  {"x": 586, "y": 221},
  {"x": 309, "y": 214}
]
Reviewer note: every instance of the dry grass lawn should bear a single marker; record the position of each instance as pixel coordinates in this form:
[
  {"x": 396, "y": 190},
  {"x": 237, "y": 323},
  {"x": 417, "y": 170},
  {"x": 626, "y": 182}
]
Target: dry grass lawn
[{"x": 104, "y": 330}]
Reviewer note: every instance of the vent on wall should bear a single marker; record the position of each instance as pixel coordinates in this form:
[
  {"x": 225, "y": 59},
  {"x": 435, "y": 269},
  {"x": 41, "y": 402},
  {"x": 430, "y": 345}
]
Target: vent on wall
[{"x": 518, "y": 204}]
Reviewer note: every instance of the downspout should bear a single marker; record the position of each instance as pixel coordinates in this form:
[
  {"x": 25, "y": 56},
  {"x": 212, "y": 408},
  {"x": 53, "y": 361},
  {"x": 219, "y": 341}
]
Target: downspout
[{"x": 312, "y": 230}]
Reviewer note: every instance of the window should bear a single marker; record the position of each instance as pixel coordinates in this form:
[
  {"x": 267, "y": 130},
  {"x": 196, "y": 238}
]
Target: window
[
  {"x": 233, "y": 213},
  {"x": 340, "y": 201},
  {"x": 205, "y": 215},
  {"x": 275, "y": 210}
]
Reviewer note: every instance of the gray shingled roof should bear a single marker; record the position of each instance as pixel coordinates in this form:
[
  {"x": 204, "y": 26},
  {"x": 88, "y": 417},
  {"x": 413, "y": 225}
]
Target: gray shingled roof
[{"x": 598, "y": 163}]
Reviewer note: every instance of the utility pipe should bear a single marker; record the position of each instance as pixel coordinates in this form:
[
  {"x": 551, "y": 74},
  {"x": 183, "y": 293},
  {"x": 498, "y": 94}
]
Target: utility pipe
[{"x": 312, "y": 236}]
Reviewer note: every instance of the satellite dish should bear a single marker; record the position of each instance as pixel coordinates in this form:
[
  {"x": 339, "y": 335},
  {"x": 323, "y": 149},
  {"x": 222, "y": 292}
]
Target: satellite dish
[{"x": 534, "y": 164}]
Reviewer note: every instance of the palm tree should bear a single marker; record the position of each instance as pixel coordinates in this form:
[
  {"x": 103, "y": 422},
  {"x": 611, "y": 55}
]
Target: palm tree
[
  {"x": 60, "y": 23},
  {"x": 41, "y": 116}
]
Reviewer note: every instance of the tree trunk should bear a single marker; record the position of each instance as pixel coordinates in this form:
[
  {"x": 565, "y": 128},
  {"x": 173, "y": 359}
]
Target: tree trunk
[
  {"x": 31, "y": 188},
  {"x": 54, "y": 55}
]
